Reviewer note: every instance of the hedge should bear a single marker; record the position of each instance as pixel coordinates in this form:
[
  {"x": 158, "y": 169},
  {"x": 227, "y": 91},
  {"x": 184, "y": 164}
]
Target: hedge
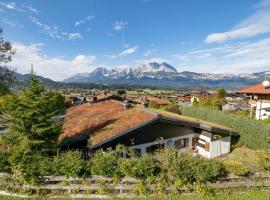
[{"x": 254, "y": 134}]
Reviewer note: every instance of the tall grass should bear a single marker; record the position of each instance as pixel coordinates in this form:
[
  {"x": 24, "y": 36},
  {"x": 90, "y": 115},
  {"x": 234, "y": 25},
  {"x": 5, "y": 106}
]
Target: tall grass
[{"x": 253, "y": 133}]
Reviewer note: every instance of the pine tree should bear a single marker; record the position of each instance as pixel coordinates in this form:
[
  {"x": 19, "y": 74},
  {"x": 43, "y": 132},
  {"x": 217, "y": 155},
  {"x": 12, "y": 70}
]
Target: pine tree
[
  {"x": 32, "y": 128},
  {"x": 6, "y": 75}
]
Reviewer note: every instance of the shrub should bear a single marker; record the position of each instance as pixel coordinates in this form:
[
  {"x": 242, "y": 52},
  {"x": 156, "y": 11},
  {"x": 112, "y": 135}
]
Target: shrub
[
  {"x": 142, "y": 167},
  {"x": 188, "y": 169},
  {"x": 254, "y": 134},
  {"x": 70, "y": 164},
  {"x": 174, "y": 108},
  {"x": 264, "y": 161},
  {"x": 106, "y": 164},
  {"x": 235, "y": 167},
  {"x": 30, "y": 169},
  {"x": 154, "y": 105},
  {"x": 207, "y": 170},
  {"x": 4, "y": 164}
]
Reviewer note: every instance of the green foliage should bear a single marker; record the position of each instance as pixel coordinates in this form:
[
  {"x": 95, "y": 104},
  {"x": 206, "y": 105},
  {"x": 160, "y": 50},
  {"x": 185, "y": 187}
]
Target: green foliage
[
  {"x": 106, "y": 164},
  {"x": 4, "y": 164},
  {"x": 215, "y": 103},
  {"x": 264, "y": 161},
  {"x": 173, "y": 107},
  {"x": 143, "y": 167},
  {"x": 6, "y": 75},
  {"x": 253, "y": 133},
  {"x": 30, "y": 169},
  {"x": 30, "y": 116},
  {"x": 221, "y": 93},
  {"x": 235, "y": 167},
  {"x": 69, "y": 164},
  {"x": 121, "y": 91},
  {"x": 188, "y": 169},
  {"x": 154, "y": 105}
]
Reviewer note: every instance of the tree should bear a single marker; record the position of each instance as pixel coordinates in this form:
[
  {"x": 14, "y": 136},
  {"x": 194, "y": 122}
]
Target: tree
[
  {"x": 32, "y": 127},
  {"x": 6, "y": 75},
  {"x": 221, "y": 93}
]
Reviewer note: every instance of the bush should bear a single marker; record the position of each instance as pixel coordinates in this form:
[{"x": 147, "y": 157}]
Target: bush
[
  {"x": 207, "y": 170},
  {"x": 235, "y": 167},
  {"x": 264, "y": 161},
  {"x": 143, "y": 167},
  {"x": 4, "y": 164},
  {"x": 188, "y": 169},
  {"x": 69, "y": 164},
  {"x": 154, "y": 105},
  {"x": 30, "y": 169},
  {"x": 106, "y": 164},
  {"x": 173, "y": 107},
  {"x": 254, "y": 134}
]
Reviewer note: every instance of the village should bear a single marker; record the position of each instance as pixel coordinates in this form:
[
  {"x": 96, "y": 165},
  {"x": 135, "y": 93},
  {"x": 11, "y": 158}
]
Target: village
[{"x": 142, "y": 99}]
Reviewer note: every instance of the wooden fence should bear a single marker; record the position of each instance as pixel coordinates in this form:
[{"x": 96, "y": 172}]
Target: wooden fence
[{"x": 91, "y": 187}]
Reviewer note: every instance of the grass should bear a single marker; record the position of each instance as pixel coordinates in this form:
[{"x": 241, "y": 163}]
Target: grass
[
  {"x": 239, "y": 196},
  {"x": 248, "y": 157},
  {"x": 253, "y": 133}
]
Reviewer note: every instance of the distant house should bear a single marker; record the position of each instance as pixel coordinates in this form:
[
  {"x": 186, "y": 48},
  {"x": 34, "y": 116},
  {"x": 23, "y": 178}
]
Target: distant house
[
  {"x": 259, "y": 96},
  {"x": 76, "y": 100},
  {"x": 147, "y": 99},
  {"x": 110, "y": 123}
]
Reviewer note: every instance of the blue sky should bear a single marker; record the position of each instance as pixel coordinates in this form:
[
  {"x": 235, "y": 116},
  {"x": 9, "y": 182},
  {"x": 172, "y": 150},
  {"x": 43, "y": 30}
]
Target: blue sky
[{"x": 62, "y": 37}]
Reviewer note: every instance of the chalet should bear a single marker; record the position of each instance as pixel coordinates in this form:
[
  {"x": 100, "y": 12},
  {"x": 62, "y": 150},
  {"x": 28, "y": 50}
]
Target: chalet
[
  {"x": 259, "y": 98},
  {"x": 147, "y": 99},
  {"x": 107, "y": 124}
]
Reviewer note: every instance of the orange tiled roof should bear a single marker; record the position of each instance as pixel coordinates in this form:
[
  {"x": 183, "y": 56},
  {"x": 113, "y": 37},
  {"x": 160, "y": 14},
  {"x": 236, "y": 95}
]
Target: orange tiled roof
[
  {"x": 160, "y": 101},
  {"x": 103, "y": 120},
  {"x": 256, "y": 89}
]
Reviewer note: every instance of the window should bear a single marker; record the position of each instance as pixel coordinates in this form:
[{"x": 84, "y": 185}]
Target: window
[
  {"x": 137, "y": 152},
  {"x": 153, "y": 148},
  {"x": 181, "y": 143}
]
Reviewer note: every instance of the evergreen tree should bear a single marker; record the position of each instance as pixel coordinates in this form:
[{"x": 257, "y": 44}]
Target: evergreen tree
[
  {"x": 6, "y": 75},
  {"x": 32, "y": 127}
]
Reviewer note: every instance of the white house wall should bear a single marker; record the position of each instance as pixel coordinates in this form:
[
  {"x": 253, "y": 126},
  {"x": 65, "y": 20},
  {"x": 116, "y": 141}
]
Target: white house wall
[
  {"x": 220, "y": 147},
  {"x": 263, "y": 114}
]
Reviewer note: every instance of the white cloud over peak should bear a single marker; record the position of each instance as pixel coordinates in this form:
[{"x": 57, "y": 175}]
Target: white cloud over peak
[
  {"x": 149, "y": 52},
  {"x": 119, "y": 25},
  {"x": 257, "y": 23},
  {"x": 51, "y": 67},
  {"x": 234, "y": 58},
  {"x": 129, "y": 51},
  {"x": 126, "y": 52}
]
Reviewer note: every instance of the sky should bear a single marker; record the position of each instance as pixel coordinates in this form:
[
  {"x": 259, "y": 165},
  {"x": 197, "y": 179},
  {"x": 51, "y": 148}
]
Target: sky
[{"x": 62, "y": 38}]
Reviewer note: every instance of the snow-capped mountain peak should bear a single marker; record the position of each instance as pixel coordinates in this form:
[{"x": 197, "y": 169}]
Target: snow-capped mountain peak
[{"x": 154, "y": 67}]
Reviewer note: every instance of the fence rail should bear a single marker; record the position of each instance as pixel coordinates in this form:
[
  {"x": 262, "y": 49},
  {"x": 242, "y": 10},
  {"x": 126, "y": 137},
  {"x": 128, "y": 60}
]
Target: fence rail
[{"x": 126, "y": 188}]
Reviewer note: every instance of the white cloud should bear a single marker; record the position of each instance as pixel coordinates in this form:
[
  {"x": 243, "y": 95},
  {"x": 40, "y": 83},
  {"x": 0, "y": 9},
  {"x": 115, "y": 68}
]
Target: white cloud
[
  {"x": 236, "y": 58},
  {"x": 54, "y": 32},
  {"x": 156, "y": 59},
  {"x": 82, "y": 21},
  {"x": 125, "y": 52},
  {"x": 51, "y": 67},
  {"x": 119, "y": 25},
  {"x": 11, "y": 6},
  {"x": 149, "y": 52},
  {"x": 129, "y": 51},
  {"x": 12, "y": 23},
  {"x": 32, "y": 9},
  {"x": 257, "y": 23}
]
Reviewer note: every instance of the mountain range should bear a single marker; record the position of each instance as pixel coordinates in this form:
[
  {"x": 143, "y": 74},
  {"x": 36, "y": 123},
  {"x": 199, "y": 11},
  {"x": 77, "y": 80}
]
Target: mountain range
[{"x": 162, "y": 74}]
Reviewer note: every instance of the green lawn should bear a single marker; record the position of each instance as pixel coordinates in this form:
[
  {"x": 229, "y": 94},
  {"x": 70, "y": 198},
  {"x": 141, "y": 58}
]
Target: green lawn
[{"x": 240, "y": 196}]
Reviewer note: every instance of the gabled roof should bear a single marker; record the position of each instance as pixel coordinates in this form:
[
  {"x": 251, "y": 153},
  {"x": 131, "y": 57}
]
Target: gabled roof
[
  {"x": 102, "y": 120},
  {"x": 160, "y": 101},
  {"x": 255, "y": 89},
  {"x": 108, "y": 120}
]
